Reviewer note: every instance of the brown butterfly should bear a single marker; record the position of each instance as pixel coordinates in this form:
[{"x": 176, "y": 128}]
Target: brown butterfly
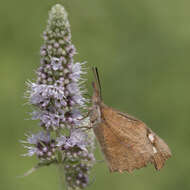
[{"x": 126, "y": 142}]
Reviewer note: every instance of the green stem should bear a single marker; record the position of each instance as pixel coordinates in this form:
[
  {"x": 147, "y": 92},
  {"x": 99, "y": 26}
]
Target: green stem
[{"x": 62, "y": 180}]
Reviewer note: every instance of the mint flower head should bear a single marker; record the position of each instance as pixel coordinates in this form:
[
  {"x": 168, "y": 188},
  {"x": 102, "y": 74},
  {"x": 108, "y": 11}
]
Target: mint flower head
[
  {"x": 58, "y": 101},
  {"x": 57, "y": 93}
]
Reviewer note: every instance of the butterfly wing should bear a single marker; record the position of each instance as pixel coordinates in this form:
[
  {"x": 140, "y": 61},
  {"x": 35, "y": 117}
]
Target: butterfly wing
[
  {"x": 161, "y": 153},
  {"x": 127, "y": 143},
  {"x": 120, "y": 155}
]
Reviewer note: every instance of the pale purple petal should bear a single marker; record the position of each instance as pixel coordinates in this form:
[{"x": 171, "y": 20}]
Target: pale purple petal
[
  {"x": 77, "y": 138},
  {"x": 41, "y": 93},
  {"x": 61, "y": 140},
  {"x": 73, "y": 88},
  {"x": 35, "y": 138}
]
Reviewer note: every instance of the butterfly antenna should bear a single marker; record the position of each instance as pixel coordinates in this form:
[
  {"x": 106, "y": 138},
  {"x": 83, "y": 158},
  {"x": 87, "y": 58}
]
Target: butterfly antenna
[{"x": 97, "y": 84}]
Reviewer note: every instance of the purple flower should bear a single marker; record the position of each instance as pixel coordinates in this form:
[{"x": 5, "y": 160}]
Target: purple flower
[
  {"x": 41, "y": 136},
  {"x": 78, "y": 99},
  {"x": 73, "y": 88},
  {"x": 56, "y": 64},
  {"x": 77, "y": 138},
  {"x": 41, "y": 145},
  {"x": 76, "y": 71},
  {"x": 40, "y": 93},
  {"x": 49, "y": 120}
]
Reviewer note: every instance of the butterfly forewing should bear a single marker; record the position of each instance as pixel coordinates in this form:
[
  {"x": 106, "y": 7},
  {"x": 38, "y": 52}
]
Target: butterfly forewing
[{"x": 125, "y": 143}]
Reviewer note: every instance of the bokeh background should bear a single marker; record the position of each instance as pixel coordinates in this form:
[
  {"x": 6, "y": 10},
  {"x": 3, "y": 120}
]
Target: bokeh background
[{"x": 142, "y": 51}]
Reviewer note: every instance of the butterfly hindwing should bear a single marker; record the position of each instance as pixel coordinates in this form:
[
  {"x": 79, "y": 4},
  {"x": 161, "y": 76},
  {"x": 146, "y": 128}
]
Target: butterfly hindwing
[{"x": 162, "y": 151}]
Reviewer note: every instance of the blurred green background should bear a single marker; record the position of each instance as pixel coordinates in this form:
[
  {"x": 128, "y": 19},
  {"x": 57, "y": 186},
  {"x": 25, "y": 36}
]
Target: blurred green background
[{"x": 142, "y": 51}]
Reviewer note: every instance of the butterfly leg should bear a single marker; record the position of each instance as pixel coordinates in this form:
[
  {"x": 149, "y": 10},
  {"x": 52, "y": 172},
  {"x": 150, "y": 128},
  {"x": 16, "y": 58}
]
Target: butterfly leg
[
  {"x": 87, "y": 115},
  {"x": 85, "y": 127}
]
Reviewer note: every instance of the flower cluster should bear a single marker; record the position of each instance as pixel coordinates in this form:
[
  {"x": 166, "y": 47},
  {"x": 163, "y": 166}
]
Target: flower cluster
[
  {"x": 43, "y": 146},
  {"x": 57, "y": 97},
  {"x": 78, "y": 161}
]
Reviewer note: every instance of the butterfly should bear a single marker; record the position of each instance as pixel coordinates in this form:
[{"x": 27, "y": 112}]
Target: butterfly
[{"x": 127, "y": 143}]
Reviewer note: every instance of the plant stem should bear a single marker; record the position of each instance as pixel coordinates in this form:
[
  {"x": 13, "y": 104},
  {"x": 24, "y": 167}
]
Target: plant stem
[{"x": 62, "y": 180}]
